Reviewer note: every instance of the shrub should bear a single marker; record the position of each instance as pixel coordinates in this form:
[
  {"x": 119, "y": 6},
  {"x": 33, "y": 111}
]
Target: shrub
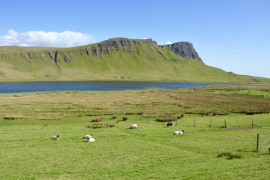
[
  {"x": 168, "y": 118},
  {"x": 229, "y": 155},
  {"x": 125, "y": 118},
  {"x": 113, "y": 117},
  {"x": 179, "y": 116},
  {"x": 96, "y": 125},
  {"x": 17, "y": 95},
  {"x": 96, "y": 120},
  {"x": 9, "y": 118},
  {"x": 12, "y": 118}
]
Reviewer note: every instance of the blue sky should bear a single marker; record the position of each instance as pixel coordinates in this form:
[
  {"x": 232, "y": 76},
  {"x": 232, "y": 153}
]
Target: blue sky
[{"x": 230, "y": 34}]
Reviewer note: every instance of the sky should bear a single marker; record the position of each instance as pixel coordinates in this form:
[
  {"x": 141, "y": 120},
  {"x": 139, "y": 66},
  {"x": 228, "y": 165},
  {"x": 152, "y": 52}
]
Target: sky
[{"x": 233, "y": 35}]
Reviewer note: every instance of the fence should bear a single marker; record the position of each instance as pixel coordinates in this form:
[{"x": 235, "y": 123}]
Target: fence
[{"x": 263, "y": 142}]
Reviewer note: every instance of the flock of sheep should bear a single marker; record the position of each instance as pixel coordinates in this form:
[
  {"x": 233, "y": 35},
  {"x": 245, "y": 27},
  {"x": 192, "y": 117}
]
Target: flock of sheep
[{"x": 90, "y": 138}]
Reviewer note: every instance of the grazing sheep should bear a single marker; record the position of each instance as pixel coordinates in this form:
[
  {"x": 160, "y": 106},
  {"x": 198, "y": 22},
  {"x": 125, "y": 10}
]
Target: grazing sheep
[
  {"x": 178, "y": 132},
  {"x": 133, "y": 126},
  {"x": 170, "y": 124},
  {"x": 55, "y": 137}
]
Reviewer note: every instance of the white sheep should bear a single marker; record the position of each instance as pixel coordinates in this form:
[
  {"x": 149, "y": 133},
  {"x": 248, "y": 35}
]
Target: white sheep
[
  {"x": 91, "y": 139},
  {"x": 57, "y": 137},
  {"x": 178, "y": 132},
  {"x": 133, "y": 126},
  {"x": 88, "y": 136}
]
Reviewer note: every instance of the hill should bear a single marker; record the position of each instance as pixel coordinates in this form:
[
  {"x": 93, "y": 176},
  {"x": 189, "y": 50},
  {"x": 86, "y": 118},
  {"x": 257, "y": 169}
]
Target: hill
[{"x": 113, "y": 59}]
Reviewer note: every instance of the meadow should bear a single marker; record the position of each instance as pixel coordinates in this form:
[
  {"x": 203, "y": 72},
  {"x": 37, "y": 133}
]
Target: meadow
[{"x": 207, "y": 150}]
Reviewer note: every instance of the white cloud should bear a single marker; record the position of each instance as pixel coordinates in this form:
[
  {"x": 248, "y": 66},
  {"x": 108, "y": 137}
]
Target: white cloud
[
  {"x": 168, "y": 42},
  {"x": 43, "y": 38}
]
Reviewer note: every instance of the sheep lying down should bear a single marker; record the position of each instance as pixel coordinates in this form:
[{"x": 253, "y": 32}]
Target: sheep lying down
[
  {"x": 57, "y": 137},
  {"x": 178, "y": 132},
  {"x": 89, "y": 138}
]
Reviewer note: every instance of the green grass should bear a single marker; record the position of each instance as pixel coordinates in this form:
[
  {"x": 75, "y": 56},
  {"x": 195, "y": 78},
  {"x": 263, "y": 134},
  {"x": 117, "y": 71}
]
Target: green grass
[
  {"x": 143, "y": 62},
  {"x": 207, "y": 150},
  {"x": 149, "y": 152}
]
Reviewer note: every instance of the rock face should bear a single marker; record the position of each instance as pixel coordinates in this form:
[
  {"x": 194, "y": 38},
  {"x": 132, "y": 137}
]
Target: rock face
[
  {"x": 129, "y": 47},
  {"x": 115, "y": 44},
  {"x": 184, "y": 49}
]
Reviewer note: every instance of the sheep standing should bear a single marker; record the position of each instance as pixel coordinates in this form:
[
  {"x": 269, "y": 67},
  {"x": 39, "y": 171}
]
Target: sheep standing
[
  {"x": 57, "y": 137},
  {"x": 178, "y": 132},
  {"x": 133, "y": 126}
]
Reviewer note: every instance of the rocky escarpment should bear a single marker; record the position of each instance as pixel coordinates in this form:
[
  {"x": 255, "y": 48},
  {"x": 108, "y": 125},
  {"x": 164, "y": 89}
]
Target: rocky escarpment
[
  {"x": 122, "y": 45},
  {"x": 133, "y": 47},
  {"x": 116, "y": 44},
  {"x": 184, "y": 49}
]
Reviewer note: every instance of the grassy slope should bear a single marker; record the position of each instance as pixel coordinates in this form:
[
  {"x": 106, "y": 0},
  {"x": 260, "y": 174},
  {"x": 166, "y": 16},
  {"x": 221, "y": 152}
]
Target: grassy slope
[{"x": 146, "y": 62}]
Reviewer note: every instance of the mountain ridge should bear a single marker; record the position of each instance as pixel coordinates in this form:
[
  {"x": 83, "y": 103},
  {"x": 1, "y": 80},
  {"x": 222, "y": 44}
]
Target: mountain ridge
[{"x": 112, "y": 59}]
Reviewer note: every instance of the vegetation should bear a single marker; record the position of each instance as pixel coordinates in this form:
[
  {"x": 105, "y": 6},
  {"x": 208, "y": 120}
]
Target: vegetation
[
  {"x": 153, "y": 103},
  {"x": 151, "y": 151},
  {"x": 143, "y": 62},
  {"x": 229, "y": 155},
  {"x": 207, "y": 150}
]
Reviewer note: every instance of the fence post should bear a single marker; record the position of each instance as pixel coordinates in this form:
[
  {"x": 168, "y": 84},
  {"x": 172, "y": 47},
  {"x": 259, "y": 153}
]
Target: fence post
[
  {"x": 258, "y": 139},
  {"x": 225, "y": 123},
  {"x": 252, "y": 124},
  {"x": 210, "y": 125},
  {"x": 194, "y": 123}
]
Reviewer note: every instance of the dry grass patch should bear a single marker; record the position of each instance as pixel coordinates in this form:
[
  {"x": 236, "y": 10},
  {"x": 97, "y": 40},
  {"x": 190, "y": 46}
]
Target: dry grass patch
[{"x": 229, "y": 155}]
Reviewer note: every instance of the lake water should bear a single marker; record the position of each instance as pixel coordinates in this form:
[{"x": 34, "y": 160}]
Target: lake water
[{"x": 17, "y": 87}]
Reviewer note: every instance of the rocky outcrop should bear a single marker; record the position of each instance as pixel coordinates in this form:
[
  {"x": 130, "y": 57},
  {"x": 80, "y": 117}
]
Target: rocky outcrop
[
  {"x": 116, "y": 44},
  {"x": 146, "y": 48},
  {"x": 184, "y": 49},
  {"x": 53, "y": 56},
  {"x": 67, "y": 59}
]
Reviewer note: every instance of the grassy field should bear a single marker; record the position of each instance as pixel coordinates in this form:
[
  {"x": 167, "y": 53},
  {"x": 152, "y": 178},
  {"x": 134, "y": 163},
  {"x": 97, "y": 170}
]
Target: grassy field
[
  {"x": 151, "y": 151},
  {"x": 28, "y": 120}
]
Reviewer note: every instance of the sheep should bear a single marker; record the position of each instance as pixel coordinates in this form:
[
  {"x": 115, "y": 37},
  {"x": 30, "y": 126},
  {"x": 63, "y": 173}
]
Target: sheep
[
  {"x": 178, "y": 132},
  {"x": 169, "y": 124},
  {"x": 57, "y": 137},
  {"x": 133, "y": 126},
  {"x": 88, "y": 136},
  {"x": 91, "y": 139}
]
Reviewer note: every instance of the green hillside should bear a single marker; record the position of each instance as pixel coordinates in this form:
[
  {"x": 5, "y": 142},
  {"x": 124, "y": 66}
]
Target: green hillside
[{"x": 114, "y": 59}]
